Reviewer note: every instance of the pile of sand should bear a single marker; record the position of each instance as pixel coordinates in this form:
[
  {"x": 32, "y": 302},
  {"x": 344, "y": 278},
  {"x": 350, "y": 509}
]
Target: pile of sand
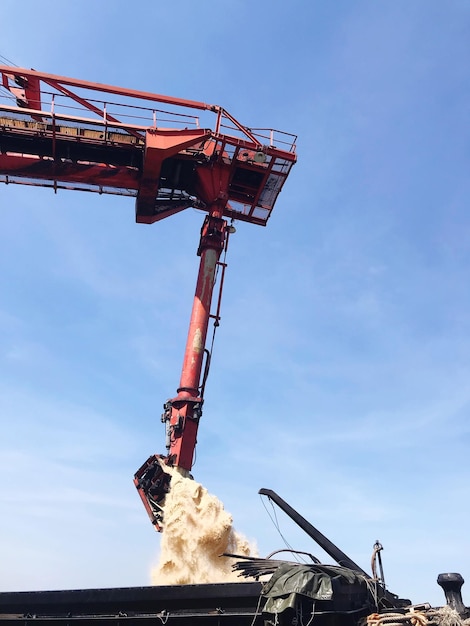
[{"x": 197, "y": 531}]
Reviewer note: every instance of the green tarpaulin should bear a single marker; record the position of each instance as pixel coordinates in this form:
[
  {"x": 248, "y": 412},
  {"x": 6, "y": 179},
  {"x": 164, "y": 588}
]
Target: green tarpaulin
[{"x": 310, "y": 581}]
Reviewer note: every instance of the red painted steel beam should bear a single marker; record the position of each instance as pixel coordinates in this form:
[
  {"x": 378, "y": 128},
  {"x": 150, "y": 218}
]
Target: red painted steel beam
[
  {"x": 89, "y": 105},
  {"x": 55, "y": 80},
  {"x": 26, "y": 91},
  {"x": 160, "y": 144},
  {"x": 100, "y": 174},
  {"x": 34, "y": 77}
]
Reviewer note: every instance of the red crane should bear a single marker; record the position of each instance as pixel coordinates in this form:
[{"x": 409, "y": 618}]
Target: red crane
[{"x": 168, "y": 153}]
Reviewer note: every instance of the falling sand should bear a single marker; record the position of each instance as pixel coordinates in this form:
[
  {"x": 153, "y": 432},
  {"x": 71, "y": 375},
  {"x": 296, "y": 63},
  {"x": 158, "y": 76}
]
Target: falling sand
[{"x": 197, "y": 531}]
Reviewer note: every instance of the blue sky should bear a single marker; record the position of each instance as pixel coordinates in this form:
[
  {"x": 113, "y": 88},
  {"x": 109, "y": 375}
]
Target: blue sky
[{"x": 341, "y": 372}]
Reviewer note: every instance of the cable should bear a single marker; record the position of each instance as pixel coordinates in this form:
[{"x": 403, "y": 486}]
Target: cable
[
  {"x": 216, "y": 321},
  {"x": 257, "y": 610},
  {"x": 8, "y": 62},
  {"x": 277, "y": 527},
  {"x": 301, "y": 620}
]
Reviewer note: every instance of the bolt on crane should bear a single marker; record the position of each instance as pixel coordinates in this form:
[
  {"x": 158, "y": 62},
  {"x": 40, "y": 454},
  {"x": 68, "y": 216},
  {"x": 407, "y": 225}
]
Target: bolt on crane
[{"x": 66, "y": 133}]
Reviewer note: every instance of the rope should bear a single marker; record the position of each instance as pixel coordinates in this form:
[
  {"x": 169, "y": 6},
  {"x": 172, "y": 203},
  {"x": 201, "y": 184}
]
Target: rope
[
  {"x": 372, "y": 586},
  {"x": 415, "y": 618},
  {"x": 163, "y": 616},
  {"x": 444, "y": 616},
  {"x": 300, "y": 616},
  {"x": 257, "y": 612}
]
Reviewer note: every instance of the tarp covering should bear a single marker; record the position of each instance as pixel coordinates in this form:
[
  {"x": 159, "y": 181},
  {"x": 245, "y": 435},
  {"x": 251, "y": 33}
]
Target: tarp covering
[{"x": 311, "y": 581}]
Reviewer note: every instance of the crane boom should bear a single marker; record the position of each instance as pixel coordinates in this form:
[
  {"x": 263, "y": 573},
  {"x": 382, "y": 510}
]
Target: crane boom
[
  {"x": 67, "y": 133},
  {"x": 74, "y": 134}
]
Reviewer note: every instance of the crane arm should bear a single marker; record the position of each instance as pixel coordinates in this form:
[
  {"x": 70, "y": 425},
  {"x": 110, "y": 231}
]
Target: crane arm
[{"x": 67, "y": 133}]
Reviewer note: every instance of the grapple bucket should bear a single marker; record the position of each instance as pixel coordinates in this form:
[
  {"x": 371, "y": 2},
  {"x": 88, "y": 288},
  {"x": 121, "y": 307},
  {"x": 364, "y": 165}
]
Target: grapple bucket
[{"x": 153, "y": 483}]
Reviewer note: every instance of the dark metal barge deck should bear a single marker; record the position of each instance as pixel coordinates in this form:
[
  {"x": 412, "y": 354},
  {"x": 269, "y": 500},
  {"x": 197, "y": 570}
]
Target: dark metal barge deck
[{"x": 227, "y": 603}]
